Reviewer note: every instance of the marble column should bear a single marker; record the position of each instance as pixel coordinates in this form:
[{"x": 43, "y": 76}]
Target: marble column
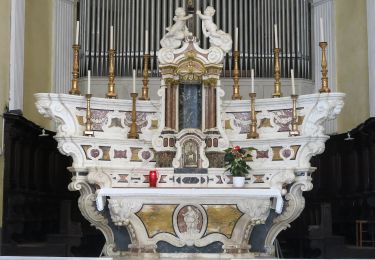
[
  {"x": 64, "y": 28},
  {"x": 168, "y": 117},
  {"x": 324, "y": 9},
  {"x": 173, "y": 105},
  {"x": 371, "y": 53},
  {"x": 17, "y": 36},
  {"x": 210, "y": 109}
]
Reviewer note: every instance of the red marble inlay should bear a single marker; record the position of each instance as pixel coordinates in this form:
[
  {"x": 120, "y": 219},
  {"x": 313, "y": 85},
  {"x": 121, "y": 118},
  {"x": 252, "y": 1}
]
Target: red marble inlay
[
  {"x": 94, "y": 153},
  {"x": 262, "y": 154},
  {"x": 119, "y": 154}
]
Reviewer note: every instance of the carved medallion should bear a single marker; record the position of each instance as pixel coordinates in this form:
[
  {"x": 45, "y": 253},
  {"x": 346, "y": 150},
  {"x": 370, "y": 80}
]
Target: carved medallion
[{"x": 189, "y": 222}]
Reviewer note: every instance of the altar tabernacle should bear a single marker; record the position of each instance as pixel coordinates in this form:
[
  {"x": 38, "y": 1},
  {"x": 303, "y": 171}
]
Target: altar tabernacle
[{"x": 181, "y": 138}]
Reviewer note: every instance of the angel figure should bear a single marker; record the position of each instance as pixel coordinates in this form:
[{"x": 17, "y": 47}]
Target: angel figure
[
  {"x": 178, "y": 31},
  {"x": 217, "y": 37}
]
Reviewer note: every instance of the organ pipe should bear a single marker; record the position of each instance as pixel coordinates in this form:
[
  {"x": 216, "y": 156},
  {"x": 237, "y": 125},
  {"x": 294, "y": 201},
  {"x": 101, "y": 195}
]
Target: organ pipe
[{"x": 255, "y": 19}]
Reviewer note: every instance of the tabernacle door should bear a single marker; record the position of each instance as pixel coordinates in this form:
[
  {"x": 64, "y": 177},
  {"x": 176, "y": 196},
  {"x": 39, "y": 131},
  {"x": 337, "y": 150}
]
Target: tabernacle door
[{"x": 190, "y": 106}]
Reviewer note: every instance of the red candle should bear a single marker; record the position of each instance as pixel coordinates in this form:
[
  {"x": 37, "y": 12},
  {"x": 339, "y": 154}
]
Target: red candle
[{"x": 153, "y": 178}]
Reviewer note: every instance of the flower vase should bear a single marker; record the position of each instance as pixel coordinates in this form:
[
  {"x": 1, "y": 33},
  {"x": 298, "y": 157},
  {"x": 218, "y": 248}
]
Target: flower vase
[{"x": 238, "y": 182}]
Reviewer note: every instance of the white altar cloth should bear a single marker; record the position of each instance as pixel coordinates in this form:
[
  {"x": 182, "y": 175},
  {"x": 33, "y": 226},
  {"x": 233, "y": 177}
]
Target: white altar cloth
[{"x": 189, "y": 193}]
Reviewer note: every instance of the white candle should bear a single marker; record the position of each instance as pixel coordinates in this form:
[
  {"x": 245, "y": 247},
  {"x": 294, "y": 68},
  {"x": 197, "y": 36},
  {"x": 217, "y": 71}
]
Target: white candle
[
  {"x": 236, "y": 39},
  {"x": 77, "y": 33},
  {"x": 321, "y": 30},
  {"x": 111, "y": 37},
  {"x": 276, "y": 40},
  {"x": 134, "y": 81},
  {"x": 293, "y": 86},
  {"x": 146, "y": 42},
  {"x": 252, "y": 81},
  {"x": 89, "y": 82}
]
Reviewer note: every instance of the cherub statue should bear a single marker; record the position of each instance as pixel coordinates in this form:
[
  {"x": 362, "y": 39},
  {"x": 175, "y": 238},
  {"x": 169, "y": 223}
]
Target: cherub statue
[
  {"x": 217, "y": 37},
  {"x": 178, "y": 31}
]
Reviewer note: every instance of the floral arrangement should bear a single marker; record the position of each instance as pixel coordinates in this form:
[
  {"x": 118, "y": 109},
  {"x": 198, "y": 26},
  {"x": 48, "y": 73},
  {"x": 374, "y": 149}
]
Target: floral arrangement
[{"x": 235, "y": 161}]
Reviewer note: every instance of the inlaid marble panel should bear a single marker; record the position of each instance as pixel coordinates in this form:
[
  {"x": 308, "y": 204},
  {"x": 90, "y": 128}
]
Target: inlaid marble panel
[
  {"x": 190, "y": 106},
  {"x": 222, "y": 219},
  {"x": 157, "y": 218}
]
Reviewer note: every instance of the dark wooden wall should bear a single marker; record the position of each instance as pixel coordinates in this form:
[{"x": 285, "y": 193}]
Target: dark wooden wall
[
  {"x": 40, "y": 215},
  {"x": 344, "y": 180}
]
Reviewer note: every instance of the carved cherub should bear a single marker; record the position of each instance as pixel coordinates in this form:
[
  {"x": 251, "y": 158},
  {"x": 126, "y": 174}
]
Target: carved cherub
[
  {"x": 178, "y": 31},
  {"x": 217, "y": 37}
]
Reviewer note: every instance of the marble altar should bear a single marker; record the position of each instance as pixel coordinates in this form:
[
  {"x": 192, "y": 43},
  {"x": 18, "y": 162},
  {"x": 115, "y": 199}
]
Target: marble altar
[{"x": 194, "y": 208}]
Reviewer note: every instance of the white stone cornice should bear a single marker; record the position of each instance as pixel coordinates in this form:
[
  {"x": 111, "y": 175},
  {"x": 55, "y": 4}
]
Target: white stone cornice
[{"x": 371, "y": 53}]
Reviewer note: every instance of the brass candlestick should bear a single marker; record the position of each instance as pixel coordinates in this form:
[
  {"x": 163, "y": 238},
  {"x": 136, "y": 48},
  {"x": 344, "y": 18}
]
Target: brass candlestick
[
  {"x": 111, "y": 74},
  {"x": 88, "y": 131},
  {"x": 324, "y": 88},
  {"x": 145, "y": 96},
  {"x": 253, "y": 125},
  {"x": 294, "y": 131},
  {"x": 75, "y": 89},
  {"x": 133, "y": 134},
  {"x": 236, "y": 73},
  {"x": 277, "y": 84}
]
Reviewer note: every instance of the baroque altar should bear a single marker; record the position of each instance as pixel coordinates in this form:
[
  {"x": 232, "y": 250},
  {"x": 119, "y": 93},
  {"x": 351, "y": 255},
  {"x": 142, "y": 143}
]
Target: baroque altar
[{"x": 194, "y": 209}]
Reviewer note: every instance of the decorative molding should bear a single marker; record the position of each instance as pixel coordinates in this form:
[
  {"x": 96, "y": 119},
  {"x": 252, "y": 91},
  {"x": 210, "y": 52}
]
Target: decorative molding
[
  {"x": 17, "y": 41},
  {"x": 263, "y": 87},
  {"x": 63, "y": 29},
  {"x": 324, "y": 9},
  {"x": 371, "y": 53}
]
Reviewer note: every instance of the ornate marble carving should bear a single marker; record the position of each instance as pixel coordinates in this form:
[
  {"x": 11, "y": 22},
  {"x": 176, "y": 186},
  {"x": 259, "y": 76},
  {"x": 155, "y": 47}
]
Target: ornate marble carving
[
  {"x": 164, "y": 159},
  {"x": 294, "y": 205},
  {"x": 86, "y": 204},
  {"x": 218, "y": 38},
  {"x": 178, "y": 31},
  {"x": 189, "y": 219},
  {"x": 190, "y": 145},
  {"x": 122, "y": 210},
  {"x": 280, "y": 165},
  {"x": 216, "y": 159}
]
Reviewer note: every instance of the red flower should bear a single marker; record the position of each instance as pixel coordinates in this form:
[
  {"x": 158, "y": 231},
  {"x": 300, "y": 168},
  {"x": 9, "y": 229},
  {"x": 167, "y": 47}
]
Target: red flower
[{"x": 236, "y": 149}]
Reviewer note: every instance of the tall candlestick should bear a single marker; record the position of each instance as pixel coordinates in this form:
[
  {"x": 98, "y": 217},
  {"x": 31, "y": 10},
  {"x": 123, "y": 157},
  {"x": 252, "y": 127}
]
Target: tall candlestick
[
  {"x": 146, "y": 42},
  {"x": 89, "y": 82},
  {"x": 294, "y": 131},
  {"x": 77, "y": 33},
  {"x": 236, "y": 39},
  {"x": 276, "y": 39},
  {"x": 293, "y": 86},
  {"x": 252, "y": 81},
  {"x": 134, "y": 81},
  {"x": 321, "y": 30},
  {"x": 253, "y": 118},
  {"x": 111, "y": 38}
]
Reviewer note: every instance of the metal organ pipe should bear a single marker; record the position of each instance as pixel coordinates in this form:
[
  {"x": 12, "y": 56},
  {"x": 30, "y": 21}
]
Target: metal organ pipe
[{"x": 254, "y": 18}]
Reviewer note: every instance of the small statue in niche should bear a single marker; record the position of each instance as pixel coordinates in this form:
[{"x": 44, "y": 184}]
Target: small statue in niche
[
  {"x": 178, "y": 31},
  {"x": 218, "y": 38},
  {"x": 190, "y": 155}
]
